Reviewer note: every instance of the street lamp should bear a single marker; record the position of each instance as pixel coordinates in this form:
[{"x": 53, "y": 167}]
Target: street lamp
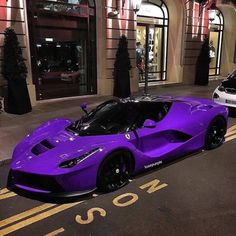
[
  {"x": 136, "y": 5},
  {"x": 212, "y": 11}
]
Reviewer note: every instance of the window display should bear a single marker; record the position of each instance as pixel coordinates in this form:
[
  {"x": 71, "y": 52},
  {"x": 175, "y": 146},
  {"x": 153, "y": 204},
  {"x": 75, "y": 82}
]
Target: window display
[
  {"x": 155, "y": 18},
  {"x": 61, "y": 62},
  {"x": 62, "y": 34},
  {"x": 215, "y": 43}
]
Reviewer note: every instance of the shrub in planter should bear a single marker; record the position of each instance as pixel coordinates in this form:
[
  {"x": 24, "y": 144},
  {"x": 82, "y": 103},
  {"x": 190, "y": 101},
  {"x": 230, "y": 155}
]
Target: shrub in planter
[
  {"x": 121, "y": 70},
  {"x": 14, "y": 71},
  {"x": 202, "y": 65}
]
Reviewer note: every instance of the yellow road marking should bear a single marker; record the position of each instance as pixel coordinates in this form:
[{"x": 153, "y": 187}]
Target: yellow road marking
[
  {"x": 37, "y": 218},
  {"x": 153, "y": 186},
  {"x": 56, "y": 232},
  {"x": 25, "y": 214},
  {"x": 134, "y": 198},
  {"x": 231, "y": 128},
  {"x": 230, "y": 133},
  {"x": 7, "y": 195},
  {"x": 90, "y": 215},
  {"x": 4, "y": 190},
  {"x": 230, "y": 138}
]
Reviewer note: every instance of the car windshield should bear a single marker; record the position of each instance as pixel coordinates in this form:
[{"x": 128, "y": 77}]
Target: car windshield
[
  {"x": 232, "y": 75},
  {"x": 111, "y": 117}
]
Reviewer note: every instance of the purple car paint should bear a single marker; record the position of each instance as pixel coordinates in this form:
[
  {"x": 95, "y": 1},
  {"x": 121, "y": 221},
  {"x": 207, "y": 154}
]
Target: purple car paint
[{"x": 63, "y": 157}]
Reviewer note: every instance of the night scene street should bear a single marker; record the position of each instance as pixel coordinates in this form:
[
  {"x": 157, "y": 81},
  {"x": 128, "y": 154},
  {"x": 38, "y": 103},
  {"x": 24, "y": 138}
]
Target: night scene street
[{"x": 117, "y": 117}]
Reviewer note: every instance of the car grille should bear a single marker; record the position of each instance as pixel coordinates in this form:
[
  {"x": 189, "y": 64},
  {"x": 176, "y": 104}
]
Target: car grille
[
  {"x": 46, "y": 183},
  {"x": 42, "y": 147},
  {"x": 230, "y": 90}
]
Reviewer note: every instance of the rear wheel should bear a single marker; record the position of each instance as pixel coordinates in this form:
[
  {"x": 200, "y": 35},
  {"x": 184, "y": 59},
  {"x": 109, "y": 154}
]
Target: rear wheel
[
  {"x": 114, "y": 172},
  {"x": 215, "y": 133}
]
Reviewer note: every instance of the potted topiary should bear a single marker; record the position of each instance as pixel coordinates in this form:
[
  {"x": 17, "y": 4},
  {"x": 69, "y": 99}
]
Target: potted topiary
[
  {"x": 14, "y": 70},
  {"x": 121, "y": 70}
]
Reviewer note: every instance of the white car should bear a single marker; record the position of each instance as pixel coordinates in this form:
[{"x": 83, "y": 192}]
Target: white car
[{"x": 225, "y": 93}]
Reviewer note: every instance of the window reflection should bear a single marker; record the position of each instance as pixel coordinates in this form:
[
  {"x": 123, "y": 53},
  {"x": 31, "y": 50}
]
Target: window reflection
[
  {"x": 79, "y": 7},
  {"x": 61, "y": 62}
]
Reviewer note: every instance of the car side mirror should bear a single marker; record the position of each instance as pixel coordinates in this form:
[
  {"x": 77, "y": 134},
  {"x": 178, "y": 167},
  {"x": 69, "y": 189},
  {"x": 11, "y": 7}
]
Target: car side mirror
[
  {"x": 83, "y": 106},
  {"x": 149, "y": 123}
]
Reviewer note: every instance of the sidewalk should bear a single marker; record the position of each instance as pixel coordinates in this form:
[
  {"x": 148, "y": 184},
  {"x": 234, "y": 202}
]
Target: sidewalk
[{"x": 14, "y": 127}]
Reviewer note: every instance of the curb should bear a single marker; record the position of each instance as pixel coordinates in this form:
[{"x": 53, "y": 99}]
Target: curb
[{"x": 5, "y": 162}]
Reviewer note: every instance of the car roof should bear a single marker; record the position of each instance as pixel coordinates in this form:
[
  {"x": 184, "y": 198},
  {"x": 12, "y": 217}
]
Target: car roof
[{"x": 149, "y": 98}]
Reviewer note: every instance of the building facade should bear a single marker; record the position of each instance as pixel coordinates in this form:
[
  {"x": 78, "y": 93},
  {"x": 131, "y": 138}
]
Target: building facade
[{"x": 70, "y": 45}]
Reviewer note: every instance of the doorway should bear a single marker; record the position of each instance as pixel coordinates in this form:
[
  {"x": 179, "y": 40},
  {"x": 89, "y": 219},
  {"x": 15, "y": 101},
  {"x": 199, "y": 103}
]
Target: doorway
[
  {"x": 62, "y": 39},
  {"x": 215, "y": 44},
  {"x": 154, "y": 54},
  {"x": 152, "y": 18}
]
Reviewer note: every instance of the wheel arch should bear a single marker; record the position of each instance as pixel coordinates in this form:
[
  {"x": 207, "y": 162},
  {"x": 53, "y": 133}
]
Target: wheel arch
[
  {"x": 219, "y": 116},
  {"x": 126, "y": 150}
]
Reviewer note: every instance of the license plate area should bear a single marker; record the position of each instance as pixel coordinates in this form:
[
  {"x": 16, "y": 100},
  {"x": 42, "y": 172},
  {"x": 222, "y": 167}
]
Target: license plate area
[{"x": 230, "y": 102}]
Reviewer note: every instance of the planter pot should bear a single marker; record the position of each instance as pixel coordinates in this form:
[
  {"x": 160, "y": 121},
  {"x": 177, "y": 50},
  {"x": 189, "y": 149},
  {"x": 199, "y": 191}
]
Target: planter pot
[
  {"x": 17, "y": 100},
  {"x": 5, "y": 100},
  {"x": 1, "y": 105}
]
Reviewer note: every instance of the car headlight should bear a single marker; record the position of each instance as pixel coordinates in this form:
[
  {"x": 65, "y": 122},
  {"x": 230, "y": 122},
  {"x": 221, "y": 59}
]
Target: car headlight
[
  {"x": 77, "y": 160},
  {"x": 221, "y": 88},
  {"x": 215, "y": 95}
]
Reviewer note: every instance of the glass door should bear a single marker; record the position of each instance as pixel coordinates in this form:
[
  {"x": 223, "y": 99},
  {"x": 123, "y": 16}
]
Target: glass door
[
  {"x": 154, "y": 52},
  {"x": 61, "y": 68},
  {"x": 62, "y": 36},
  {"x": 215, "y": 43},
  {"x": 214, "y": 52}
]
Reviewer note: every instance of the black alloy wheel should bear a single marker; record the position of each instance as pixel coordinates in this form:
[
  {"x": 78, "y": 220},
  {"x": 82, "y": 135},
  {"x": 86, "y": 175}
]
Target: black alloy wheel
[
  {"x": 215, "y": 133},
  {"x": 114, "y": 172}
]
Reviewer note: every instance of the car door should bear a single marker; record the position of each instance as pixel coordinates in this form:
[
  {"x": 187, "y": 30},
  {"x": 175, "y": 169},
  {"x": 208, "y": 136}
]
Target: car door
[
  {"x": 156, "y": 140},
  {"x": 149, "y": 138}
]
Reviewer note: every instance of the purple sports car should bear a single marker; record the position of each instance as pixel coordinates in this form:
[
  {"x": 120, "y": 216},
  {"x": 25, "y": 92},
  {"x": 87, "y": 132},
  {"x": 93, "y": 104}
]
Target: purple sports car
[{"x": 118, "y": 139}]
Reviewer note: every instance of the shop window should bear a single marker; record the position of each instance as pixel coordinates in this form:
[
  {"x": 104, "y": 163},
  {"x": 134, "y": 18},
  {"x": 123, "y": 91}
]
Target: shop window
[
  {"x": 69, "y": 7},
  {"x": 215, "y": 43},
  {"x": 153, "y": 18},
  {"x": 62, "y": 40},
  {"x": 61, "y": 62}
]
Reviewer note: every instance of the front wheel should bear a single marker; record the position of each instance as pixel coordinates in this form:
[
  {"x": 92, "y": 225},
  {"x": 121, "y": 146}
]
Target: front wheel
[
  {"x": 114, "y": 172},
  {"x": 215, "y": 133}
]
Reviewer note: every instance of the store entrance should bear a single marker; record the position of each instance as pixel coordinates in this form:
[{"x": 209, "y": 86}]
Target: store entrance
[
  {"x": 63, "y": 47},
  {"x": 152, "y": 18},
  {"x": 153, "y": 53},
  {"x": 215, "y": 44}
]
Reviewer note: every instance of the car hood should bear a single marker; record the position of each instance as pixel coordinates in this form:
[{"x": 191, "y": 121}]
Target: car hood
[
  {"x": 41, "y": 152},
  {"x": 229, "y": 83}
]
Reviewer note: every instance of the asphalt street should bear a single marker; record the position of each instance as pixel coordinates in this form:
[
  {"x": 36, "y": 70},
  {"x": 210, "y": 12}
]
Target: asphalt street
[{"x": 194, "y": 195}]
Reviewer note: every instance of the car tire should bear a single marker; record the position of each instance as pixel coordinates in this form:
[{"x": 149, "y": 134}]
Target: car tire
[
  {"x": 114, "y": 171},
  {"x": 215, "y": 133}
]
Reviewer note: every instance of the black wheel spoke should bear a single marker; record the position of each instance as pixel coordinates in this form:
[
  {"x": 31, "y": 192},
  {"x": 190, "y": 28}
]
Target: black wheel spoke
[
  {"x": 215, "y": 133},
  {"x": 115, "y": 172}
]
